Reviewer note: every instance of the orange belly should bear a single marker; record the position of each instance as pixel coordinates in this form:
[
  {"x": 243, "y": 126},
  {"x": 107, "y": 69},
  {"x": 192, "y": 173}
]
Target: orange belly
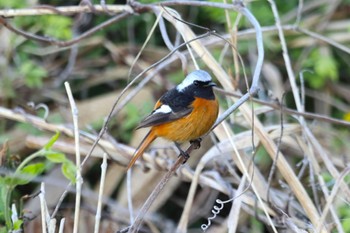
[{"x": 192, "y": 126}]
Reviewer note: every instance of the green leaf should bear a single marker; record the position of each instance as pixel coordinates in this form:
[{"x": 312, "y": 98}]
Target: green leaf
[
  {"x": 344, "y": 214},
  {"x": 29, "y": 172},
  {"x": 12, "y": 4},
  {"x": 52, "y": 141},
  {"x": 58, "y": 26},
  {"x": 55, "y": 157},
  {"x": 33, "y": 74},
  {"x": 7, "y": 180},
  {"x": 33, "y": 169},
  {"x": 326, "y": 67},
  {"x": 17, "y": 225},
  {"x": 69, "y": 170}
]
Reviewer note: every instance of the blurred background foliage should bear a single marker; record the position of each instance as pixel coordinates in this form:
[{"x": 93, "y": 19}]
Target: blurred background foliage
[{"x": 32, "y": 71}]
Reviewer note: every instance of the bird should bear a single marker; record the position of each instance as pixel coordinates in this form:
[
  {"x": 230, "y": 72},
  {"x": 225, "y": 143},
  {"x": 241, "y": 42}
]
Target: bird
[{"x": 184, "y": 113}]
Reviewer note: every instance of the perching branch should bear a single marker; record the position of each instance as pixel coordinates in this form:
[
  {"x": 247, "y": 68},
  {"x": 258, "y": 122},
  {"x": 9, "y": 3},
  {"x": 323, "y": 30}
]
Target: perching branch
[{"x": 139, "y": 219}]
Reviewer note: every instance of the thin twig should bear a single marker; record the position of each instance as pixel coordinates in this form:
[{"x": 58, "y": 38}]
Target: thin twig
[
  {"x": 336, "y": 218},
  {"x": 43, "y": 208},
  {"x": 64, "y": 10},
  {"x": 61, "y": 43},
  {"x": 79, "y": 179},
  {"x": 313, "y": 167},
  {"x": 290, "y": 111},
  {"x": 177, "y": 16},
  {"x": 170, "y": 45},
  {"x": 234, "y": 215},
  {"x": 100, "y": 193},
  {"x": 159, "y": 16},
  {"x": 291, "y": 75},
  {"x": 285, "y": 28},
  {"x": 324, "y": 39},
  {"x": 279, "y": 142},
  {"x": 198, "y": 3},
  {"x": 331, "y": 198},
  {"x": 299, "y": 12},
  {"x": 129, "y": 194}
]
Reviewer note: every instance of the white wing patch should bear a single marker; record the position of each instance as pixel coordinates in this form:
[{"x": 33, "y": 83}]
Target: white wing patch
[
  {"x": 163, "y": 109},
  {"x": 199, "y": 75}
]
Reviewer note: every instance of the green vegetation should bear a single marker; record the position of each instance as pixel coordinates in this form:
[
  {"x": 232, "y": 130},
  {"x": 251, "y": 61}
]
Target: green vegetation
[{"x": 24, "y": 173}]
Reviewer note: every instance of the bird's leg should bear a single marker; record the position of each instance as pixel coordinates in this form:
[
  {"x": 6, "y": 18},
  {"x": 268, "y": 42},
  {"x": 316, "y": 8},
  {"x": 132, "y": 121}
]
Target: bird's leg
[
  {"x": 184, "y": 154},
  {"x": 196, "y": 143}
]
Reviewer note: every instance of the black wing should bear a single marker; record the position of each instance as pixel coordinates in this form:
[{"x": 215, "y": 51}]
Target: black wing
[
  {"x": 160, "y": 118},
  {"x": 179, "y": 103}
]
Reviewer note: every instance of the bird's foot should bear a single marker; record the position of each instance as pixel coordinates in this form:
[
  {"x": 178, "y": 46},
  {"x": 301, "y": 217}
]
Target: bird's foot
[
  {"x": 196, "y": 143},
  {"x": 185, "y": 155}
]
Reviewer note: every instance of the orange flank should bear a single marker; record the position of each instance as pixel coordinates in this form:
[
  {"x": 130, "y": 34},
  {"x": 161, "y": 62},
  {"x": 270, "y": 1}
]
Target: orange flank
[{"x": 192, "y": 126}]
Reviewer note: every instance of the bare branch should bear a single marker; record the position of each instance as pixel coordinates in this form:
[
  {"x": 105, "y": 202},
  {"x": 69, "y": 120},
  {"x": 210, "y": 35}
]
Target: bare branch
[
  {"x": 64, "y": 10},
  {"x": 60, "y": 43}
]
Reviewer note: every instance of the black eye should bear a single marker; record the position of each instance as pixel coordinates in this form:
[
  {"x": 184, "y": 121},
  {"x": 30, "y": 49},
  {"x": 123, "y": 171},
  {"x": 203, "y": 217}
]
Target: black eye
[{"x": 196, "y": 83}]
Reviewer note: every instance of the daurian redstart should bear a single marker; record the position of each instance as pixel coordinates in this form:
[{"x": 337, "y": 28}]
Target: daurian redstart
[{"x": 184, "y": 113}]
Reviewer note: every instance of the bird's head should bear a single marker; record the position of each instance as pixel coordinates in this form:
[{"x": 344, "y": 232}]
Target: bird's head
[{"x": 198, "y": 82}]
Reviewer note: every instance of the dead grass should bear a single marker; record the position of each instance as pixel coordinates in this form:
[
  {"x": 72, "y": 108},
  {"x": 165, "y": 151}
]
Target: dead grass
[{"x": 262, "y": 169}]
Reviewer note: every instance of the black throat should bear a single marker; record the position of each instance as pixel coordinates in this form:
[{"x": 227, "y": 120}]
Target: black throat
[{"x": 201, "y": 92}]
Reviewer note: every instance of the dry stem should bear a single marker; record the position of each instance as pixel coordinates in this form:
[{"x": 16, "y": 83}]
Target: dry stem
[{"x": 79, "y": 179}]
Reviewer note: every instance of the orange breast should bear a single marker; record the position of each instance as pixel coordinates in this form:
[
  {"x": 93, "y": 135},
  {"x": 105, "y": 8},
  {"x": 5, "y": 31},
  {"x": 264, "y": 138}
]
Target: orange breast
[{"x": 192, "y": 126}]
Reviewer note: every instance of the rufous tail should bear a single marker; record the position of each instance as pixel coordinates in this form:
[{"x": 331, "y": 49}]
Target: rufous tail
[{"x": 148, "y": 139}]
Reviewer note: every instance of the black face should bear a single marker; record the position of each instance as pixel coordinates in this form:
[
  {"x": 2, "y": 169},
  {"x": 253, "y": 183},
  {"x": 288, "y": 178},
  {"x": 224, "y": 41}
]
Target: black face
[{"x": 202, "y": 89}]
